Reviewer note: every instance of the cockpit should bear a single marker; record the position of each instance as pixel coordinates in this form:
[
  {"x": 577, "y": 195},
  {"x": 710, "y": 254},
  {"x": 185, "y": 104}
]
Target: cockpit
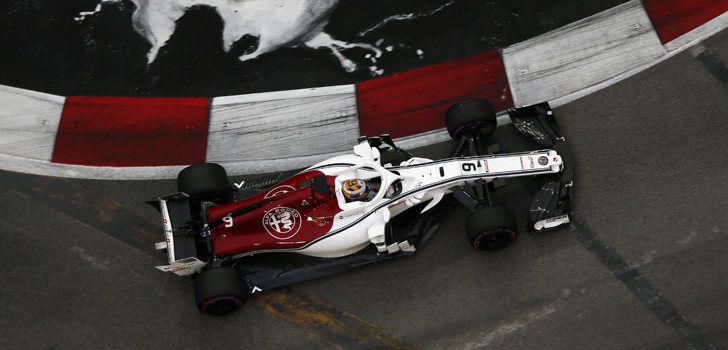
[{"x": 365, "y": 184}]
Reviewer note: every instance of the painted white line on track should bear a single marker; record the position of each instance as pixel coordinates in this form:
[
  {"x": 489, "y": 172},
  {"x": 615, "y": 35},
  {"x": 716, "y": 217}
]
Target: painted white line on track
[
  {"x": 581, "y": 54},
  {"x": 285, "y": 124},
  {"x": 29, "y": 123},
  {"x": 708, "y": 29}
]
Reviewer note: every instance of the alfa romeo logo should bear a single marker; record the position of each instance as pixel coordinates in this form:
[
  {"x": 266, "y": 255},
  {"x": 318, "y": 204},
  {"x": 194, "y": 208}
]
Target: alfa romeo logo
[
  {"x": 543, "y": 160},
  {"x": 282, "y": 223}
]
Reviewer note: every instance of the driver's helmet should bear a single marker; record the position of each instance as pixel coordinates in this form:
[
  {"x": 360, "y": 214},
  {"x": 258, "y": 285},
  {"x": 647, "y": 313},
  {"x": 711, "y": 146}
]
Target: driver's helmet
[{"x": 355, "y": 190}]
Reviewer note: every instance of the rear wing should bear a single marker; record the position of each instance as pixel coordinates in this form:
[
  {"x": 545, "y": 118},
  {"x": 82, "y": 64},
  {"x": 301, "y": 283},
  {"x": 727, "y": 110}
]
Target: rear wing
[{"x": 179, "y": 235}]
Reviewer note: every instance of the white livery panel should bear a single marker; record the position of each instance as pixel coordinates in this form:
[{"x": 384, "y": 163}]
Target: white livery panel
[
  {"x": 422, "y": 180},
  {"x": 363, "y": 222}
]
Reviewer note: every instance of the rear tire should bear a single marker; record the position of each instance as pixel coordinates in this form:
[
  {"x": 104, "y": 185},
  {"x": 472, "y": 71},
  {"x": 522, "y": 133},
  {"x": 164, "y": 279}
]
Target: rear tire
[
  {"x": 220, "y": 291},
  {"x": 205, "y": 182},
  {"x": 473, "y": 116},
  {"x": 491, "y": 228}
]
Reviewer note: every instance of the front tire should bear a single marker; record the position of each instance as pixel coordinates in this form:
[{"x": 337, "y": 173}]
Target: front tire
[
  {"x": 472, "y": 116},
  {"x": 491, "y": 228},
  {"x": 220, "y": 291}
]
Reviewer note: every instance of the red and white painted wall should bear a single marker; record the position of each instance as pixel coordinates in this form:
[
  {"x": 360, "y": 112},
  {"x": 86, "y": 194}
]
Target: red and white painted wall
[{"x": 143, "y": 138}]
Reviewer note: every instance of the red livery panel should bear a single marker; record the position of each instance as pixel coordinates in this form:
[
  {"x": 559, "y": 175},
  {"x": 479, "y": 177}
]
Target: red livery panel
[{"x": 271, "y": 221}]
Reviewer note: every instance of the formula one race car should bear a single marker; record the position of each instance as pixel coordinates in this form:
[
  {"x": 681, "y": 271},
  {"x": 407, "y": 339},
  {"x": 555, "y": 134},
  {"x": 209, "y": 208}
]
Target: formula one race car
[{"x": 376, "y": 204}]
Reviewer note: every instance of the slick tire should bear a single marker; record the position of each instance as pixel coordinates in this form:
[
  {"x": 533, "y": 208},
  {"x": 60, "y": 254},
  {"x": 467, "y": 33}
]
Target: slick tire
[
  {"x": 470, "y": 116},
  {"x": 220, "y": 291},
  {"x": 205, "y": 182},
  {"x": 491, "y": 228}
]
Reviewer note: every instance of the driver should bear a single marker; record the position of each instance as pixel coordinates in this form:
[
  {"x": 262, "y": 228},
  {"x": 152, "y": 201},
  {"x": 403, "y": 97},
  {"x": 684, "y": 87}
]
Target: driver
[{"x": 356, "y": 190}]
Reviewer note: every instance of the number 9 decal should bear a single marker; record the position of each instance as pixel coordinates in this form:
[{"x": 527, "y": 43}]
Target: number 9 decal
[
  {"x": 469, "y": 166},
  {"x": 228, "y": 221}
]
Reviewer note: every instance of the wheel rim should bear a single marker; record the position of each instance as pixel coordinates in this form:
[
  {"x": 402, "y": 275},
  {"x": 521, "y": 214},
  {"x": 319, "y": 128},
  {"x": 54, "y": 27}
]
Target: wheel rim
[
  {"x": 221, "y": 305},
  {"x": 494, "y": 238}
]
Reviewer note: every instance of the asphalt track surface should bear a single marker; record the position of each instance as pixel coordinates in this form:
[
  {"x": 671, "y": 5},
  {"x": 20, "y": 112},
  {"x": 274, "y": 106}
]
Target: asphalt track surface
[{"x": 643, "y": 266}]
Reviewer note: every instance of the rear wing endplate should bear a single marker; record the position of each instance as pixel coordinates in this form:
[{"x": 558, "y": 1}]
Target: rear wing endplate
[{"x": 179, "y": 236}]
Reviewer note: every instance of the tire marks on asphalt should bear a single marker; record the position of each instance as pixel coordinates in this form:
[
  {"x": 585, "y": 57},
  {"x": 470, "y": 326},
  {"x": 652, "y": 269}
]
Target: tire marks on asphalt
[
  {"x": 339, "y": 328},
  {"x": 334, "y": 326},
  {"x": 89, "y": 209},
  {"x": 711, "y": 62},
  {"x": 631, "y": 277}
]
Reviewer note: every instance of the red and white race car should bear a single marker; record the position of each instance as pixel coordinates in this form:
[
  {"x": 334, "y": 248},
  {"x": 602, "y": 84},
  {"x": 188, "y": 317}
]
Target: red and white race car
[{"x": 375, "y": 204}]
